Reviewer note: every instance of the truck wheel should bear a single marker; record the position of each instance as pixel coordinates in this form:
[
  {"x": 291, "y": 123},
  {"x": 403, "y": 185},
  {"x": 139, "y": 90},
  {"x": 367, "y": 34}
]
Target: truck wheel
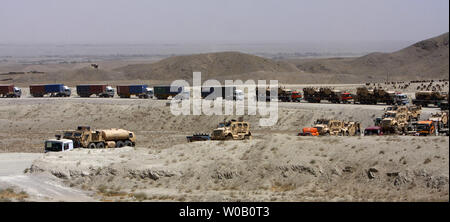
[
  {"x": 128, "y": 143},
  {"x": 119, "y": 144},
  {"x": 229, "y": 137},
  {"x": 100, "y": 145},
  {"x": 91, "y": 146}
]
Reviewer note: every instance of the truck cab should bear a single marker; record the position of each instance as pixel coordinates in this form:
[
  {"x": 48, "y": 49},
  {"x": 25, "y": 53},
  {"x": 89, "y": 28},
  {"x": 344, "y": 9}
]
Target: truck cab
[
  {"x": 58, "y": 145},
  {"x": 401, "y": 99},
  {"x": 17, "y": 92},
  {"x": 425, "y": 128},
  {"x": 110, "y": 91},
  {"x": 67, "y": 91},
  {"x": 297, "y": 96},
  {"x": 149, "y": 92}
]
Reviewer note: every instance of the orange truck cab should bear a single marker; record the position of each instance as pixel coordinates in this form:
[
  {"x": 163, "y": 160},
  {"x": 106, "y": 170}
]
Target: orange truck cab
[
  {"x": 309, "y": 131},
  {"x": 425, "y": 128},
  {"x": 297, "y": 96}
]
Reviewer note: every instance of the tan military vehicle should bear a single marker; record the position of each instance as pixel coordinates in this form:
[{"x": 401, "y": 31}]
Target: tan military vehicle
[
  {"x": 336, "y": 128},
  {"x": 415, "y": 112},
  {"x": 440, "y": 118},
  {"x": 322, "y": 126},
  {"x": 352, "y": 129},
  {"x": 394, "y": 122},
  {"x": 109, "y": 138},
  {"x": 232, "y": 130}
]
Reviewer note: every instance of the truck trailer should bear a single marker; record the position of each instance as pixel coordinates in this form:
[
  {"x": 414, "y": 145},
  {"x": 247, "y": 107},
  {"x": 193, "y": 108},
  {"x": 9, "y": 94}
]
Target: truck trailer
[
  {"x": 140, "y": 91},
  {"x": 10, "y": 91},
  {"x": 100, "y": 90},
  {"x": 54, "y": 90},
  {"x": 164, "y": 92}
]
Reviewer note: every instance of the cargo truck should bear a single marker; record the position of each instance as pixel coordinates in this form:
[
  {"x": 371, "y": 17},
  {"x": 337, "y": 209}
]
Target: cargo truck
[
  {"x": 425, "y": 98},
  {"x": 97, "y": 90},
  {"x": 164, "y": 92},
  {"x": 140, "y": 91},
  {"x": 227, "y": 93},
  {"x": 54, "y": 90},
  {"x": 10, "y": 91}
]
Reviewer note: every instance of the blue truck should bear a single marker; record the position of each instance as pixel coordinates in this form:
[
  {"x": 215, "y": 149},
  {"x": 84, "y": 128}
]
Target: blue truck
[{"x": 54, "y": 90}]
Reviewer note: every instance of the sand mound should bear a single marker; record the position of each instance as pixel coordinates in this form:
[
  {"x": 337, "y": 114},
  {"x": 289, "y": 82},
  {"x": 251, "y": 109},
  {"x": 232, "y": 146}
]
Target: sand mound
[{"x": 211, "y": 65}]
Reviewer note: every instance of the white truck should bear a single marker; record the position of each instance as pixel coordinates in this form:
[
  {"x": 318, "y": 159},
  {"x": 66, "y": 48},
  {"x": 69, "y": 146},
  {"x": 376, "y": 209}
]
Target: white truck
[{"x": 58, "y": 145}]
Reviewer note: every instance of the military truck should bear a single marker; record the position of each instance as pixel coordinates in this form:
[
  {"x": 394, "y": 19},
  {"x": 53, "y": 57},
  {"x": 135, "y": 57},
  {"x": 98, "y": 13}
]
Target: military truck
[
  {"x": 232, "y": 130},
  {"x": 322, "y": 126},
  {"x": 284, "y": 95},
  {"x": 394, "y": 122},
  {"x": 440, "y": 120},
  {"x": 375, "y": 96},
  {"x": 311, "y": 95},
  {"x": 84, "y": 137},
  {"x": 415, "y": 112},
  {"x": 352, "y": 129},
  {"x": 425, "y": 98}
]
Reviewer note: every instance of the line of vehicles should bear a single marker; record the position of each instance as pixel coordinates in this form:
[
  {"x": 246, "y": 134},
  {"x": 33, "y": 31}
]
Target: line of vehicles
[{"x": 313, "y": 95}]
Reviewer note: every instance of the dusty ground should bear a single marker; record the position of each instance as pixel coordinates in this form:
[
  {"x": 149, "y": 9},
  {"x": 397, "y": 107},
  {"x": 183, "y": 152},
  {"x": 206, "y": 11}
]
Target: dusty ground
[{"x": 275, "y": 166}]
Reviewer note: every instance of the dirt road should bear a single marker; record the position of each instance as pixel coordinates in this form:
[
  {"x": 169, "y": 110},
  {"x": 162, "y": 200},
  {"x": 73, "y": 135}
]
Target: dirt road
[{"x": 39, "y": 187}]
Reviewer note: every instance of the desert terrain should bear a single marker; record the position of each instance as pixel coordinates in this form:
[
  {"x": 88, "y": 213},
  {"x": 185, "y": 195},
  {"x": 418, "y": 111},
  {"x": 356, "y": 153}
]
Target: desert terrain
[{"x": 275, "y": 165}]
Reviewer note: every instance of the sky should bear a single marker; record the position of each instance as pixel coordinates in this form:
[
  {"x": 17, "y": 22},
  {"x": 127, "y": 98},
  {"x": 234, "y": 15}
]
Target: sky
[{"x": 228, "y": 21}]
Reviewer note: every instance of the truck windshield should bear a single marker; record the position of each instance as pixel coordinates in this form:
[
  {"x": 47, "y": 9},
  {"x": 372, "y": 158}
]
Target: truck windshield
[
  {"x": 422, "y": 127},
  {"x": 53, "y": 146}
]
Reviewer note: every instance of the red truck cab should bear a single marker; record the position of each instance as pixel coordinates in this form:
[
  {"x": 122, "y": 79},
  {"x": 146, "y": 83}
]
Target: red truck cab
[{"x": 296, "y": 96}]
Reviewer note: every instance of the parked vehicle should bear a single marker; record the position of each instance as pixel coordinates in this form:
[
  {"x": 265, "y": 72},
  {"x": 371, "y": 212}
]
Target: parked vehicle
[
  {"x": 212, "y": 93},
  {"x": 10, "y": 91},
  {"x": 164, "y": 92},
  {"x": 140, "y": 91},
  {"x": 58, "y": 145},
  {"x": 425, "y": 98},
  {"x": 297, "y": 96},
  {"x": 232, "y": 130},
  {"x": 97, "y": 90},
  {"x": 401, "y": 99},
  {"x": 198, "y": 137},
  {"x": 425, "y": 128},
  {"x": 373, "y": 130},
  {"x": 87, "y": 138},
  {"x": 309, "y": 131},
  {"x": 54, "y": 90},
  {"x": 375, "y": 96}
]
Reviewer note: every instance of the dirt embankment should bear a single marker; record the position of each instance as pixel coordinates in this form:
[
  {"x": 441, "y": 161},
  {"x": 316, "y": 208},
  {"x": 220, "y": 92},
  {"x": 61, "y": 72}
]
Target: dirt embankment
[{"x": 276, "y": 168}]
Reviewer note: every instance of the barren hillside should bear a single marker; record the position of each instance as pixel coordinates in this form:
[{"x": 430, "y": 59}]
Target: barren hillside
[
  {"x": 427, "y": 59},
  {"x": 211, "y": 65}
]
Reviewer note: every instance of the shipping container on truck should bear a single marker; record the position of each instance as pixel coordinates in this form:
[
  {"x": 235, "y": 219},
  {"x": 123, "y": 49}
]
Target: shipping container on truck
[
  {"x": 164, "y": 92},
  {"x": 126, "y": 91},
  {"x": 54, "y": 90},
  {"x": 100, "y": 90},
  {"x": 10, "y": 91},
  {"x": 227, "y": 93}
]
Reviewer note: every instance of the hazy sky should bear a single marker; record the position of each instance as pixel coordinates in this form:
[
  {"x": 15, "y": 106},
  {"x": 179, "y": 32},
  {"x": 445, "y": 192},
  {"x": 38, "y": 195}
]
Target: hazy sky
[{"x": 184, "y": 21}]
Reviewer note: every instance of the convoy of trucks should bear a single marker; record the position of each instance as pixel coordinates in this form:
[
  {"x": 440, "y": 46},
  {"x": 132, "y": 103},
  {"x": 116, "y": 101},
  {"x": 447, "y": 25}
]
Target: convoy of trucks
[
  {"x": 10, "y": 91},
  {"x": 53, "y": 90},
  {"x": 99, "y": 90}
]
